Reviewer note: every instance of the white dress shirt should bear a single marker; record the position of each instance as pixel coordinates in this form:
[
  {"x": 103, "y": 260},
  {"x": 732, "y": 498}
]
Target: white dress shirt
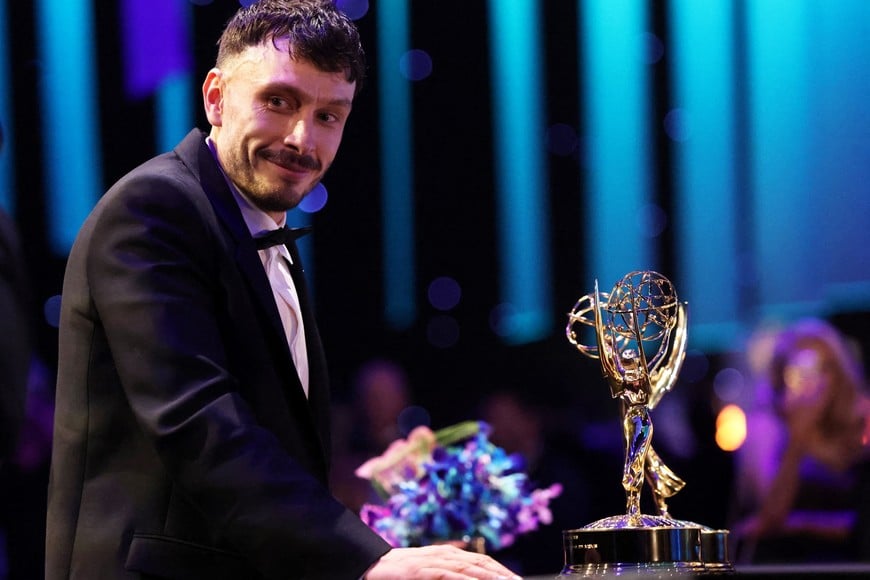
[{"x": 276, "y": 261}]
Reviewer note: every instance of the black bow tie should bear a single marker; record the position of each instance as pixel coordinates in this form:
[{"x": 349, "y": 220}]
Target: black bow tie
[{"x": 280, "y": 236}]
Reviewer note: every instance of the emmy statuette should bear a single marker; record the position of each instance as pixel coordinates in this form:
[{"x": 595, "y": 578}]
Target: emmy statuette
[{"x": 639, "y": 330}]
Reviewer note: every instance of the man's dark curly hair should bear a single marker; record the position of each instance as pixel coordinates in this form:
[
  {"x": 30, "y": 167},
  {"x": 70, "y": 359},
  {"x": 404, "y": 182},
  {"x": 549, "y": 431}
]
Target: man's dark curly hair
[{"x": 318, "y": 32}]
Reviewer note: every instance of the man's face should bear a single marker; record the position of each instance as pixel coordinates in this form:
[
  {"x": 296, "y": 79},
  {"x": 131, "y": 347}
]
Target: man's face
[{"x": 276, "y": 122}]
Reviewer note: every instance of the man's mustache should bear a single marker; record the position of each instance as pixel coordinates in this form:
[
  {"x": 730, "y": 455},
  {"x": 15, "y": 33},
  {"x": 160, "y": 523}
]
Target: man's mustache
[{"x": 291, "y": 160}]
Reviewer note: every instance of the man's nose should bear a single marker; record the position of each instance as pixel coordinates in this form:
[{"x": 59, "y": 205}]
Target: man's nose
[{"x": 299, "y": 135}]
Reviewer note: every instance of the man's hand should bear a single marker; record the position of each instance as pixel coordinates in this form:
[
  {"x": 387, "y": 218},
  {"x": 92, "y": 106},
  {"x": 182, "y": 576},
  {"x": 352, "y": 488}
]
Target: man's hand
[{"x": 442, "y": 562}]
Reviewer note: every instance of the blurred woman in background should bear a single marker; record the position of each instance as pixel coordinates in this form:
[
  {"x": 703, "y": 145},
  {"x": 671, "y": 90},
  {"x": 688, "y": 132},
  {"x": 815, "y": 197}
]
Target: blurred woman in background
[{"x": 799, "y": 474}]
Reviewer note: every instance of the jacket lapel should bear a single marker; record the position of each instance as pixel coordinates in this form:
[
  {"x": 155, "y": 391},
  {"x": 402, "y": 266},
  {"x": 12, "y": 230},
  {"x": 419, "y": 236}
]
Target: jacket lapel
[
  {"x": 194, "y": 151},
  {"x": 196, "y": 154},
  {"x": 318, "y": 382}
]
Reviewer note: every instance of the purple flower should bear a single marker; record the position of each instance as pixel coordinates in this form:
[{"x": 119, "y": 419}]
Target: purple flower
[{"x": 463, "y": 487}]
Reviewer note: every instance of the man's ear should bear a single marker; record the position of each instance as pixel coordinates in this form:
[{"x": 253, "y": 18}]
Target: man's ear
[{"x": 213, "y": 97}]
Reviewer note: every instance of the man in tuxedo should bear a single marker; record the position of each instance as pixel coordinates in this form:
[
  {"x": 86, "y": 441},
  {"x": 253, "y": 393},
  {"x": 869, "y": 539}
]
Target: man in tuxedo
[{"x": 191, "y": 434}]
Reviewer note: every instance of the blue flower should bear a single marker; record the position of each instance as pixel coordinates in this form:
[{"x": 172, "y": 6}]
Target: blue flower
[{"x": 465, "y": 486}]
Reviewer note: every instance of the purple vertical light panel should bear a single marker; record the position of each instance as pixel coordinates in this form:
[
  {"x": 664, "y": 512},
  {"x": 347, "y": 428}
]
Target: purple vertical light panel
[{"x": 154, "y": 44}]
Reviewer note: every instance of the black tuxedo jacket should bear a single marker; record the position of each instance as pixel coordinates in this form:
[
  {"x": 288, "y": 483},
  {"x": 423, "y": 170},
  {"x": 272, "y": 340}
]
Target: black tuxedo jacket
[{"x": 184, "y": 446}]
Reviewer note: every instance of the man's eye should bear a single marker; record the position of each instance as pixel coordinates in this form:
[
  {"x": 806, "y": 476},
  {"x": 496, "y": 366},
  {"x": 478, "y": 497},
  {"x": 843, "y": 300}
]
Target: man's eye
[
  {"x": 277, "y": 102},
  {"x": 328, "y": 117}
]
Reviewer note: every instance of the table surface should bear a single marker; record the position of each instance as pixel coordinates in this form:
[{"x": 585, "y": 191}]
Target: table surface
[{"x": 762, "y": 572}]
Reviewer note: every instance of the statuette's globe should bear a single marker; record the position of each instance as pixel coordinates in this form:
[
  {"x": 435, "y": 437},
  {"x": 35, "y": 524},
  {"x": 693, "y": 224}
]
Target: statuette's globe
[{"x": 642, "y": 305}]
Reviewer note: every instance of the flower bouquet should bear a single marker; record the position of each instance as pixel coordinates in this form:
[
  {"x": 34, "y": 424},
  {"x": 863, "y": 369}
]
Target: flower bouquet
[{"x": 452, "y": 484}]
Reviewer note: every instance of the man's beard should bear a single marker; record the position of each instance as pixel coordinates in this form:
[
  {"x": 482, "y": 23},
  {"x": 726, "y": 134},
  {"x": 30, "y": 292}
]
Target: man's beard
[
  {"x": 271, "y": 201},
  {"x": 263, "y": 193}
]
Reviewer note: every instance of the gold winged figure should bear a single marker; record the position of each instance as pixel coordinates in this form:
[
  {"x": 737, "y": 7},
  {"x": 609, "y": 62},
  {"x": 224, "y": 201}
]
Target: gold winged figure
[{"x": 640, "y": 315}]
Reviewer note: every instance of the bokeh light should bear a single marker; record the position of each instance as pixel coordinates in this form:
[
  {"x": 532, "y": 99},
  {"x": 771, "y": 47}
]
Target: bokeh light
[
  {"x": 729, "y": 385},
  {"x": 677, "y": 126},
  {"x": 51, "y": 311},
  {"x": 415, "y": 65},
  {"x": 500, "y": 318},
  {"x": 315, "y": 200},
  {"x": 653, "y": 48},
  {"x": 444, "y": 293},
  {"x": 354, "y": 9},
  {"x": 730, "y": 428},
  {"x": 653, "y": 220}
]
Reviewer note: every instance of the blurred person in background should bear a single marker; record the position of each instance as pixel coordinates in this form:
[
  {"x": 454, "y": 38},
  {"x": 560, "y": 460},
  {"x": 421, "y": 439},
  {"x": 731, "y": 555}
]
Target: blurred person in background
[
  {"x": 799, "y": 478},
  {"x": 25, "y": 406},
  {"x": 381, "y": 393},
  {"x": 521, "y": 424},
  {"x": 366, "y": 425},
  {"x": 15, "y": 340}
]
